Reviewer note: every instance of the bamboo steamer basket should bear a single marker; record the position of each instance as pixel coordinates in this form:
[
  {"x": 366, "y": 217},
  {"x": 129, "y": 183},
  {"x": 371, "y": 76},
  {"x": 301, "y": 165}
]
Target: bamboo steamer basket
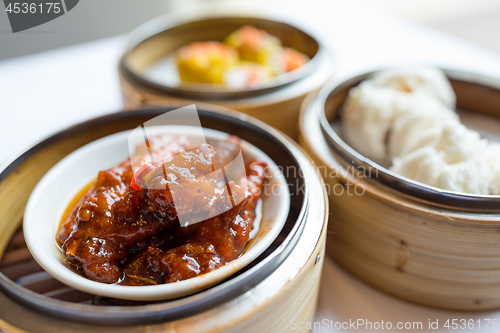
[
  {"x": 427, "y": 246},
  {"x": 278, "y": 287},
  {"x": 277, "y": 105}
]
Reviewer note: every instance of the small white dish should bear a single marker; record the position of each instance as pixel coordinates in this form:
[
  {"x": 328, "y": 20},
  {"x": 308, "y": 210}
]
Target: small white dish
[{"x": 61, "y": 184}]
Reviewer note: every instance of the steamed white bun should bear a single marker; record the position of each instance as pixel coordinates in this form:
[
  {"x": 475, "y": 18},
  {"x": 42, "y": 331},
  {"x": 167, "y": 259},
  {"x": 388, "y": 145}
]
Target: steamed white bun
[
  {"x": 470, "y": 176},
  {"x": 367, "y": 118},
  {"x": 427, "y": 166},
  {"x": 407, "y": 116},
  {"x": 456, "y": 160},
  {"x": 423, "y": 165},
  {"x": 457, "y": 143},
  {"x": 429, "y": 80},
  {"x": 419, "y": 125}
]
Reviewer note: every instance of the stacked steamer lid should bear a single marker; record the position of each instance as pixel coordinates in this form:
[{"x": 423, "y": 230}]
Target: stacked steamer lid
[
  {"x": 399, "y": 231},
  {"x": 146, "y": 69},
  {"x": 279, "y": 286}
]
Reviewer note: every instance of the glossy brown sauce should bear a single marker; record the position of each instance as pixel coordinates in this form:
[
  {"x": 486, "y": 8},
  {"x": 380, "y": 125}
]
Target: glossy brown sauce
[
  {"x": 76, "y": 201},
  {"x": 114, "y": 231},
  {"x": 85, "y": 191}
]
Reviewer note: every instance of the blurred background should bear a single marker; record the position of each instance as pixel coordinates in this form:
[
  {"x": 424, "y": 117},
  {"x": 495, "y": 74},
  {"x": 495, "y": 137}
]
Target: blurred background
[{"x": 477, "y": 21}]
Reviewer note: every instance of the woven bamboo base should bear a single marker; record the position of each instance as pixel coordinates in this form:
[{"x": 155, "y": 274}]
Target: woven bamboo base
[{"x": 296, "y": 301}]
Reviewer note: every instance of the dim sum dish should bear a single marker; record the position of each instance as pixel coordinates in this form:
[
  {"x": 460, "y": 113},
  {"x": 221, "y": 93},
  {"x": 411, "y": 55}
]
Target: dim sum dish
[
  {"x": 274, "y": 279},
  {"x": 248, "y": 57},
  {"x": 411, "y": 161},
  {"x": 259, "y": 63},
  {"x": 165, "y": 218},
  {"x": 406, "y": 119},
  {"x": 402, "y": 123}
]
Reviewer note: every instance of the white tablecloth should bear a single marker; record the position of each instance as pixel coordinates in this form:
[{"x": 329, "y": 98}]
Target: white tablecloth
[{"x": 45, "y": 92}]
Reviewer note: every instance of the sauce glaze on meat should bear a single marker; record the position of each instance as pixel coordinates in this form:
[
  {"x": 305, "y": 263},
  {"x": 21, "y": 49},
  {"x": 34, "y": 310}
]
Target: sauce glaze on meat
[{"x": 118, "y": 233}]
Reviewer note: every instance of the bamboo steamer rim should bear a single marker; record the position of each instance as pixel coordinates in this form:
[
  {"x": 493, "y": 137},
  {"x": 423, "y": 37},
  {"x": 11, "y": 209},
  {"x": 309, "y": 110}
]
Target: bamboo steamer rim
[
  {"x": 299, "y": 292},
  {"x": 414, "y": 190},
  {"x": 418, "y": 252},
  {"x": 217, "y": 294},
  {"x": 311, "y": 74}
]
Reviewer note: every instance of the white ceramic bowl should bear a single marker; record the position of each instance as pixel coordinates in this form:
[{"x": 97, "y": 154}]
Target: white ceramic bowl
[{"x": 61, "y": 184}]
